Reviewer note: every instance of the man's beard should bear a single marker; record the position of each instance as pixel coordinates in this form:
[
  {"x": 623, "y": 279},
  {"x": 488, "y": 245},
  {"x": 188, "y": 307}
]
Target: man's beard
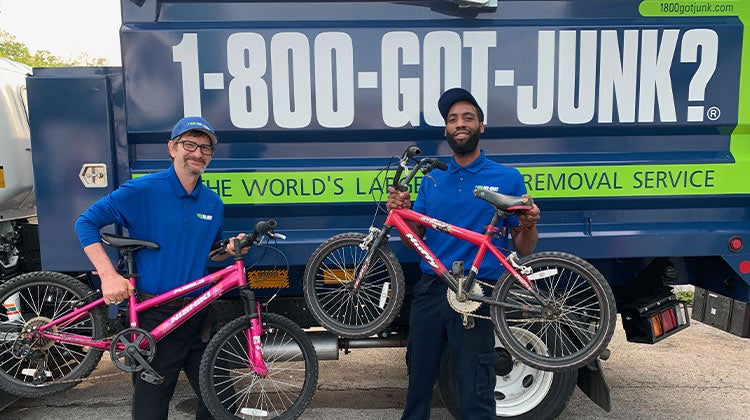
[
  {"x": 466, "y": 148},
  {"x": 193, "y": 171}
]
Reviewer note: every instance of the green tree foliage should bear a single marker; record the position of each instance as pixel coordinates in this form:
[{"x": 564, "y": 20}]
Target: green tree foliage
[{"x": 17, "y": 51}]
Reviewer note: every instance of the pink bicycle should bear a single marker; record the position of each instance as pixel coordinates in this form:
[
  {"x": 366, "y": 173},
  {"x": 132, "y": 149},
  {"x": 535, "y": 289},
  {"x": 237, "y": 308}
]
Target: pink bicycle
[
  {"x": 552, "y": 310},
  {"x": 53, "y": 334}
]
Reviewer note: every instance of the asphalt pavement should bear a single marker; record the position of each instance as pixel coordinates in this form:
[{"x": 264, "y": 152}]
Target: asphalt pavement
[{"x": 700, "y": 373}]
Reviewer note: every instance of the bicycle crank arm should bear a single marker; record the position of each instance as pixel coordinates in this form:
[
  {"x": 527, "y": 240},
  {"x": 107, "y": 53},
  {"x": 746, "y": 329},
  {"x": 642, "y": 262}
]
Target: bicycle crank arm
[
  {"x": 149, "y": 374},
  {"x": 538, "y": 310}
]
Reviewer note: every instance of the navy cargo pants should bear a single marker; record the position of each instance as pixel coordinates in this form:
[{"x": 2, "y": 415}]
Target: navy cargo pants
[{"x": 432, "y": 323}]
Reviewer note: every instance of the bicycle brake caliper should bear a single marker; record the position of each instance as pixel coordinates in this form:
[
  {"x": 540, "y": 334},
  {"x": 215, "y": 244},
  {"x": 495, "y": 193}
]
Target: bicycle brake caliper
[
  {"x": 513, "y": 260},
  {"x": 370, "y": 238}
]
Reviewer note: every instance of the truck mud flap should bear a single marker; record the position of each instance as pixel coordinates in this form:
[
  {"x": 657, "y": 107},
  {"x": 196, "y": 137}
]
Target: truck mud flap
[{"x": 591, "y": 382}]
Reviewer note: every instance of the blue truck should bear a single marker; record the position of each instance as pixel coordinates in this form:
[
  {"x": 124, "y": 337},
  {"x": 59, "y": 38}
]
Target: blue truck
[{"x": 628, "y": 120}]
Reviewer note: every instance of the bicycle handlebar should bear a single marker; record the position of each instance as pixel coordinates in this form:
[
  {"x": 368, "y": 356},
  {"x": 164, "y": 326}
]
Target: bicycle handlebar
[
  {"x": 264, "y": 227},
  {"x": 425, "y": 165}
]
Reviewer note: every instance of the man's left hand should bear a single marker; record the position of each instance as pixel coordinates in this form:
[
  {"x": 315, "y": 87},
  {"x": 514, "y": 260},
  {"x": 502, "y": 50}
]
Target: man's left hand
[{"x": 230, "y": 245}]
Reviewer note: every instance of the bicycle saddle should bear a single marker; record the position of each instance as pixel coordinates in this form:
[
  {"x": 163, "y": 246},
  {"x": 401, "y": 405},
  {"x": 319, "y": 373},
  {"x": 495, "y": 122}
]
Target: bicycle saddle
[
  {"x": 118, "y": 242},
  {"x": 506, "y": 203}
]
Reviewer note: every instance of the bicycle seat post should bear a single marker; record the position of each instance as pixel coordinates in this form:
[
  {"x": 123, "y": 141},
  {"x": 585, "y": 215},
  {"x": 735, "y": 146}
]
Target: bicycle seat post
[{"x": 127, "y": 255}]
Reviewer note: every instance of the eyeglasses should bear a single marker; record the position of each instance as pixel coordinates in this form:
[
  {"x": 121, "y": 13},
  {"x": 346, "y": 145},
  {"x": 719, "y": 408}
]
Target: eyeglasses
[{"x": 190, "y": 146}]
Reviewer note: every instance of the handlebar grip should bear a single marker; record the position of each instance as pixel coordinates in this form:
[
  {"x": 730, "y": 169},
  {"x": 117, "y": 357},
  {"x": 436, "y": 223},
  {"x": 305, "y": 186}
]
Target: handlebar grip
[
  {"x": 261, "y": 228},
  {"x": 412, "y": 151},
  {"x": 440, "y": 165},
  {"x": 264, "y": 226}
]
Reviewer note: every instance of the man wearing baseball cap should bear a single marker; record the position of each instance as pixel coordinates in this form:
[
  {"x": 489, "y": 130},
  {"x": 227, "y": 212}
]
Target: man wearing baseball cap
[
  {"x": 194, "y": 123},
  {"x": 174, "y": 209},
  {"x": 432, "y": 322}
]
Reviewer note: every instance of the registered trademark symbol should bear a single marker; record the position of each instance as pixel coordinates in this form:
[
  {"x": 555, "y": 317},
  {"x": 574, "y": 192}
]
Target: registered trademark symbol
[{"x": 713, "y": 113}]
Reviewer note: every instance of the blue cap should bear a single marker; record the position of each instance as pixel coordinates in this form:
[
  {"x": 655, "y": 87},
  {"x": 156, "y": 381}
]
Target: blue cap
[
  {"x": 451, "y": 96},
  {"x": 194, "y": 123}
]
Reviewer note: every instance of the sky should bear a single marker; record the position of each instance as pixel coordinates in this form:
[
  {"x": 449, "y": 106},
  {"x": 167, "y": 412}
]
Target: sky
[{"x": 65, "y": 28}]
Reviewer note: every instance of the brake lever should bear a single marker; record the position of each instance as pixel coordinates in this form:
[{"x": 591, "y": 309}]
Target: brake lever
[
  {"x": 276, "y": 235},
  {"x": 219, "y": 248}
]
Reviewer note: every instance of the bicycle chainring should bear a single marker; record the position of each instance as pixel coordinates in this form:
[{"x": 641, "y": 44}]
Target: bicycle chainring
[
  {"x": 467, "y": 306},
  {"x": 127, "y": 343}
]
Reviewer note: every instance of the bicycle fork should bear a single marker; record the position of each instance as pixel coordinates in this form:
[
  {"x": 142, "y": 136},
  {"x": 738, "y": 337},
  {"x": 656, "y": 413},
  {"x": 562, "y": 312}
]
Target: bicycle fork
[
  {"x": 369, "y": 244},
  {"x": 253, "y": 334}
]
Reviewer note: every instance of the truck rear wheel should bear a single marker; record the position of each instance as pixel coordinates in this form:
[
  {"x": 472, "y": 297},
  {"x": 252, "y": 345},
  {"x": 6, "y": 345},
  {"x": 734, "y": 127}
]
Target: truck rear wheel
[{"x": 521, "y": 391}]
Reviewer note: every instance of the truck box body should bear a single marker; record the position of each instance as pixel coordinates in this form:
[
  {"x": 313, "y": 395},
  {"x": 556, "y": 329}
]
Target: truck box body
[
  {"x": 628, "y": 120},
  {"x": 625, "y": 118}
]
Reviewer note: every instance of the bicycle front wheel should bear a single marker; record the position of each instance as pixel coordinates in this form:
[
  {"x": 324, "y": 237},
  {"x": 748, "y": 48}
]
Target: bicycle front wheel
[
  {"x": 582, "y": 314},
  {"x": 232, "y": 389},
  {"x": 346, "y": 309},
  {"x": 32, "y": 366}
]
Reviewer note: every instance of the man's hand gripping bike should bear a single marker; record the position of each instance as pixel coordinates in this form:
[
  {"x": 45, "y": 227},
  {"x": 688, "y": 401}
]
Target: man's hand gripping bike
[
  {"x": 552, "y": 310},
  {"x": 53, "y": 334}
]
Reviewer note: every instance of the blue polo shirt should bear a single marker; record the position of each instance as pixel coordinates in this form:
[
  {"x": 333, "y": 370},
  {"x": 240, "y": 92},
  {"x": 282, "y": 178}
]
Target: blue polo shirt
[
  {"x": 450, "y": 198},
  {"x": 157, "y": 208}
]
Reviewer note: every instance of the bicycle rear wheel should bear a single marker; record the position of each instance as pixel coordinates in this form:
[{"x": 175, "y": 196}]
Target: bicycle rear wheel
[
  {"x": 231, "y": 390},
  {"x": 34, "y": 299},
  {"x": 329, "y": 287},
  {"x": 584, "y": 312}
]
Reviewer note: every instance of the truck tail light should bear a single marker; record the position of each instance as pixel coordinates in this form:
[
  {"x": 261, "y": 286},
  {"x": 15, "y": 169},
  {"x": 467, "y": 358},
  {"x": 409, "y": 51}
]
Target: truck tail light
[
  {"x": 668, "y": 320},
  {"x": 651, "y": 320}
]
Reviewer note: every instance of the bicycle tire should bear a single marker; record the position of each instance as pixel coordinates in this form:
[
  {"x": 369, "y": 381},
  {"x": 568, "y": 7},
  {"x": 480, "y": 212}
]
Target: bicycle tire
[
  {"x": 582, "y": 329},
  {"x": 333, "y": 302},
  {"x": 283, "y": 394},
  {"x": 46, "y": 295}
]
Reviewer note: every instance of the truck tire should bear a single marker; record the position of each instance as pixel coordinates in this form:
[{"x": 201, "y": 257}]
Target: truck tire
[{"x": 521, "y": 392}]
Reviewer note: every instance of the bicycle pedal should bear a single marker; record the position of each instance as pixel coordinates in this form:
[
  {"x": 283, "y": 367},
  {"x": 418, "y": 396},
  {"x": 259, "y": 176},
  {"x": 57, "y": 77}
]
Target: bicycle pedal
[
  {"x": 468, "y": 322},
  {"x": 152, "y": 377}
]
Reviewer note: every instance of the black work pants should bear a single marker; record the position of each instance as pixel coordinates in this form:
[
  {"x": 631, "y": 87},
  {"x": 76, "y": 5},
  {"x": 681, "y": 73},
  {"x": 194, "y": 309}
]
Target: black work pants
[
  {"x": 432, "y": 323},
  {"x": 181, "y": 349}
]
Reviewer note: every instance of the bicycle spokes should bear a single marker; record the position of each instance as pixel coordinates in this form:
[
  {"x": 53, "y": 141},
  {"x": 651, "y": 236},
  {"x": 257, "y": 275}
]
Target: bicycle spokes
[
  {"x": 577, "y": 310},
  {"x": 340, "y": 298},
  {"x": 347, "y": 296},
  {"x": 32, "y": 364},
  {"x": 288, "y": 382}
]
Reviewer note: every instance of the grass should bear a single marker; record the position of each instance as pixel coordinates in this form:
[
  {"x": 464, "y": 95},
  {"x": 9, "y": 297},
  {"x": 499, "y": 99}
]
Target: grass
[{"x": 686, "y": 296}]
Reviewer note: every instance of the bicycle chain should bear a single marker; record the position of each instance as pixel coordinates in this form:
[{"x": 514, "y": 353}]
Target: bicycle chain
[{"x": 90, "y": 378}]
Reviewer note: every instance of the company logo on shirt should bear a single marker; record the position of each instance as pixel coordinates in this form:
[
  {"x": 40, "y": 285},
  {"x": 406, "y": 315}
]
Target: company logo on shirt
[
  {"x": 487, "y": 187},
  {"x": 204, "y": 216}
]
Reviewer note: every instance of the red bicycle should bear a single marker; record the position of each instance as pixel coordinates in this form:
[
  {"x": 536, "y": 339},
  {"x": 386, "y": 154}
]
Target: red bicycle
[
  {"x": 552, "y": 310},
  {"x": 53, "y": 327}
]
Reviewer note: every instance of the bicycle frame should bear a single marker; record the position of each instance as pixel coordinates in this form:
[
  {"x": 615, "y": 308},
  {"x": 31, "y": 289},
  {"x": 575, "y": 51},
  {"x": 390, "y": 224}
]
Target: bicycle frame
[
  {"x": 224, "y": 280},
  {"x": 398, "y": 218}
]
